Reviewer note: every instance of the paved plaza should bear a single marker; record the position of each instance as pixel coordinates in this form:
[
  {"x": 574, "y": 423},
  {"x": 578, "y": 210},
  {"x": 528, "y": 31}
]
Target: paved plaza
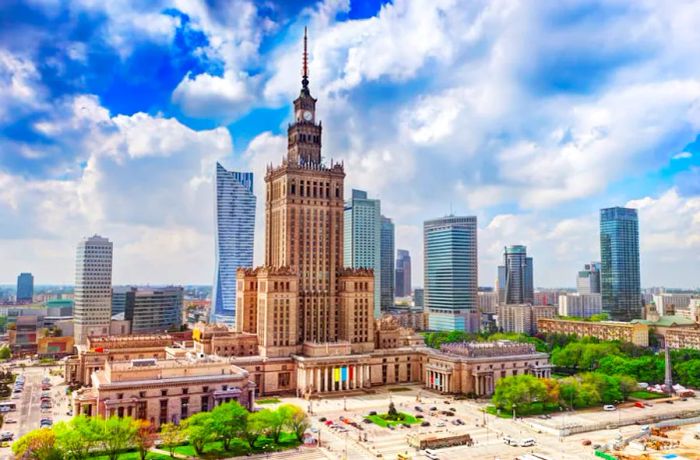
[{"x": 487, "y": 431}]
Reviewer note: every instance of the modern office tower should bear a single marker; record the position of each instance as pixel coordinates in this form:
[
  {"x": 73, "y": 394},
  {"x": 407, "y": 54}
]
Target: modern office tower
[
  {"x": 451, "y": 273},
  {"x": 403, "y": 273},
  {"x": 580, "y": 305},
  {"x": 515, "y": 276},
  {"x": 154, "y": 309},
  {"x": 363, "y": 232},
  {"x": 619, "y": 271},
  {"x": 418, "y": 297},
  {"x": 25, "y": 288},
  {"x": 119, "y": 298},
  {"x": 588, "y": 279},
  {"x": 93, "y": 288},
  {"x": 387, "y": 263},
  {"x": 235, "y": 232}
]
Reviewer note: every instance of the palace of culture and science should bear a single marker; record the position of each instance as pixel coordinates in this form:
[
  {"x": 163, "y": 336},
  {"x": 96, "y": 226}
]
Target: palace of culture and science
[{"x": 304, "y": 323}]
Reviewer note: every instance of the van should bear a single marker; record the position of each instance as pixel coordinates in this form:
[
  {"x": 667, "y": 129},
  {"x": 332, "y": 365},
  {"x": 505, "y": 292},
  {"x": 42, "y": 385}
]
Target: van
[
  {"x": 527, "y": 442},
  {"x": 431, "y": 454},
  {"x": 510, "y": 441}
]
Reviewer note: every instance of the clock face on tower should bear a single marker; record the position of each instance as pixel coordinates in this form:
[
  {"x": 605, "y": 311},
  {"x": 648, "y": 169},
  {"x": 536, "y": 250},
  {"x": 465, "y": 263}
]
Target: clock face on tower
[{"x": 307, "y": 115}]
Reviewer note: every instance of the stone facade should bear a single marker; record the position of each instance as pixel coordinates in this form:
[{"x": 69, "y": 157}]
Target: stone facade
[
  {"x": 163, "y": 391},
  {"x": 635, "y": 333}
]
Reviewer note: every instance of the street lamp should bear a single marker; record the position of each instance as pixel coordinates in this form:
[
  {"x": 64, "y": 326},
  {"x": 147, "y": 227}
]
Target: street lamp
[{"x": 514, "y": 406}]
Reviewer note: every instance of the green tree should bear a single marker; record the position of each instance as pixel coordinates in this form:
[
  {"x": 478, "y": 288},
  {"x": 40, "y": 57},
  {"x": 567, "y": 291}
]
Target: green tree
[
  {"x": 255, "y": 427},
  {"x": 118, "y": 434},
  {"x": 5, "y": 353},
  {"x": 228, "y": 421},
  {"x": 688, "y": 372},
  {"x": 37, "y": 445},
  {"x": 297, "y": 420},
  {"x": 599, "y": 317},
  {"x": 519, "y": 392},
  {"x": 273, "y": 422},
  {"x": 77, "y": 437},
  {"x": 198, "y": 430},
  {"x": 172, "y": 436}
]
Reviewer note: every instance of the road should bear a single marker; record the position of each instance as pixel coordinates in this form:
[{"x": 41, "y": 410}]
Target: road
[{"x": 29, "y": 413}]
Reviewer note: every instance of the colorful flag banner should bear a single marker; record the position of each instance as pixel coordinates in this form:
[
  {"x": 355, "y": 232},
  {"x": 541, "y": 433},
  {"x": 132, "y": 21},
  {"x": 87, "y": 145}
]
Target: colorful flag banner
[
  {"x": 344, "y": 374},
  {"x": 336, "y": 374}
]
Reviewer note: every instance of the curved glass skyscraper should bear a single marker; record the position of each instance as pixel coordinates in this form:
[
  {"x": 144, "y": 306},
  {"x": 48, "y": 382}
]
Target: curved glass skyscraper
[
  {"x": 235, "y": 229},
  {"x": 619, "y": 272}
]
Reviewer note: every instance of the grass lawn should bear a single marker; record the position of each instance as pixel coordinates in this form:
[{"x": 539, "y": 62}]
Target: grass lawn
[
  {"x": 642, "y": 394},
  {"x": 132, "y": 456},
  {"x": 238, "y": 447},
  {"x": 379, "y": 419},
  {"x": 268, "y": 401}
]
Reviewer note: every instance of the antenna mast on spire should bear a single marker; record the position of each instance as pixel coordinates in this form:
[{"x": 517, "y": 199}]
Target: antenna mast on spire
[{"x": 305, "y": 65}]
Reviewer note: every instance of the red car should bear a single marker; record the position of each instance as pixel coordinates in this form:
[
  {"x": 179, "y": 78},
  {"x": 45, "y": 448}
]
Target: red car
[
  {"x": 329, "y": 422},
  {"x": 638, "y": 404}
]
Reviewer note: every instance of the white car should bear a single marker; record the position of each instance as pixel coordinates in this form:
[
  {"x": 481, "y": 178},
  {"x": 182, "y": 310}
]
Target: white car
[{"x": 609, "y": 407}]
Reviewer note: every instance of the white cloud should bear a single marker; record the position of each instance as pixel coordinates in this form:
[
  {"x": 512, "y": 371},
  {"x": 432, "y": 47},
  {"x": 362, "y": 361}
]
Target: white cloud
[
  {"x": 682, "y": 155},
  {"x": 207, "y": 96}
]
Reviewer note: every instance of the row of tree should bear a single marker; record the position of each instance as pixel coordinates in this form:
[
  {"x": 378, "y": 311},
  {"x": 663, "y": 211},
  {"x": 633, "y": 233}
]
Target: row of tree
[
  {"x": 526, "y": 394},
  {"x": 232, "y": 421},
  {"x": 83, "y": 436}
]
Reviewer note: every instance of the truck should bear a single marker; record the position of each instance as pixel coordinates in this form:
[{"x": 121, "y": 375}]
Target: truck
[{"x": 438, "y": 440}]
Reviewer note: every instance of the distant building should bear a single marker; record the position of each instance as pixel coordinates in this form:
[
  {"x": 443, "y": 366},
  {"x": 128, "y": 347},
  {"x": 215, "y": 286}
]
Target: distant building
[
  {"x": 516, "y": 276},
  {"x": 588, "y": 279},
  {"x": 93, "y": 288},
  {"x": 619, "y": 272},
  {"x": 419, "y": 297},
  {"x": 580, "y": 305},
  {"x": 119, "y": 298},
  {"x": 235, "y": 231},
  {"x": 403, "y": 273},
  {"x": 635, "y": 333},
  {"x": 546, "y": 298},
  {"x": 488, "y": 301},
  {"x": 692, "y": 311},
  {"x": 451, "y": 273},
  {"x": 667, "y": 304},
  {"x": 362, "y": 239},
  {"x": 522, "y": 318},
  {"x": 154, "y": 309},
  {"x": 25, "y": 288},
  {"x": 387, "y": 264}
]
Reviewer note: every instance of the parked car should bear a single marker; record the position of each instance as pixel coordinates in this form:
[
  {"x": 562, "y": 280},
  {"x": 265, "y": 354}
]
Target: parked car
[
  {"x": 586, "y": 442},
  {"x": 440, "y": 424},
  {"x": 419, "y": 416},
  {"x": 329, "y": 422},
  {"x": 668, "y": 401},
  {"x": 608, "y": 407},
  {"x": 425, "y": 423},
  {"x": 6, "y": 436},
  {"x": 322, "y": 419},
  {"x": 433, "y": 408},
  {"x": 639, "y": 404},
  {"x": 10, "y": 420}
]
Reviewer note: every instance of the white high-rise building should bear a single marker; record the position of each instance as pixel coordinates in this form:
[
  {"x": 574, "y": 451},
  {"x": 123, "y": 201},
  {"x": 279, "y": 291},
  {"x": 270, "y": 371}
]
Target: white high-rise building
[
  {"x": 668, "y": 303},
  {"x": 580, "y": 305},
  {"x": 92, "y": 310}
]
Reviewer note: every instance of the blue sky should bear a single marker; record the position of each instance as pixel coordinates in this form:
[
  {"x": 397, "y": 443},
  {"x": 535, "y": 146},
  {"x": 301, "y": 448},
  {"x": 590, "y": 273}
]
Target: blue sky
[{"x": 531, "y": 116}]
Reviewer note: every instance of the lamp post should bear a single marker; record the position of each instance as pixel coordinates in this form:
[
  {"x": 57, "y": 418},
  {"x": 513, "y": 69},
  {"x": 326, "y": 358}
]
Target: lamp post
[{"x": 514, "y": 406}]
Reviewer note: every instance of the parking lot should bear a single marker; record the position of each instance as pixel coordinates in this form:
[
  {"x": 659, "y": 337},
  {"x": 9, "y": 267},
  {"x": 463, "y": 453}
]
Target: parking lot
[{"x": 41, "y": 397}]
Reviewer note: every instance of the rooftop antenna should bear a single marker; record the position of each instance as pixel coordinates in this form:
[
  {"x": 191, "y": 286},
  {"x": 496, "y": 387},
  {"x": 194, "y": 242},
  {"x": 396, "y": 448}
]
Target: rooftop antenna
[{"x": 305, "y": 63}]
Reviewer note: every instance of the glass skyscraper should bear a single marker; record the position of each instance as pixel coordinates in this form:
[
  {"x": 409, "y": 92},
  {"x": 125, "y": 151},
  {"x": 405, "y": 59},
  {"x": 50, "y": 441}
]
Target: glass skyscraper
[
  {"x": 515, "y": 276},
  {"x": 235, "y": 228},
  {"x": 402, "y": 287},
  {"x": 362, "y": 239},
  {"x": 25, "y": 287},
  {"x": 451, "y": 273},
  {"x": 387, "y": 263},
  {"x": 619, "y": 272}
]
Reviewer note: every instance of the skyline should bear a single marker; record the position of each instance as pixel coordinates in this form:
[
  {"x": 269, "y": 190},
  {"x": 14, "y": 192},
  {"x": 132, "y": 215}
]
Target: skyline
[{"x": 81, "y": 159}]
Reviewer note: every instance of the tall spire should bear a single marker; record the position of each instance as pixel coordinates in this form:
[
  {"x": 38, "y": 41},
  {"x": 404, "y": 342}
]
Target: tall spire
[{"x": 305, "y": 68}]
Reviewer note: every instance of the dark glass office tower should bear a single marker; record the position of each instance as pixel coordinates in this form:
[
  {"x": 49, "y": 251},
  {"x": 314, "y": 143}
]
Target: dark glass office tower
[{"x": 619, "y": 272}]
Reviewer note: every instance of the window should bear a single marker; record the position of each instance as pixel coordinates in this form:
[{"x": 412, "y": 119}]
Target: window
[{"x": 164, "y": 392}]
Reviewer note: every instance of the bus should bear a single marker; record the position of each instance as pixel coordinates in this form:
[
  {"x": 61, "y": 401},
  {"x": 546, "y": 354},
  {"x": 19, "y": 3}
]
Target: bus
[{"x": 8, "y": 406}]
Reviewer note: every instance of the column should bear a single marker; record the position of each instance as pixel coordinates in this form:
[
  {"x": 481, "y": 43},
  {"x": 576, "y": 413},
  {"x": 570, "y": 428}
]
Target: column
[
  {"x": 362, "y": 375},
  {"x": 324, "y": 384},
  {"x": 354, "y": 377},
  {"x": 317, "y": 371}
]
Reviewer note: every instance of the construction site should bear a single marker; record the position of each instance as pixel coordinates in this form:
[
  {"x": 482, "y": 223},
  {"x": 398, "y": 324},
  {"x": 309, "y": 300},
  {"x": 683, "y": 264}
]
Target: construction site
[{"x": 672, "y": 442}]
